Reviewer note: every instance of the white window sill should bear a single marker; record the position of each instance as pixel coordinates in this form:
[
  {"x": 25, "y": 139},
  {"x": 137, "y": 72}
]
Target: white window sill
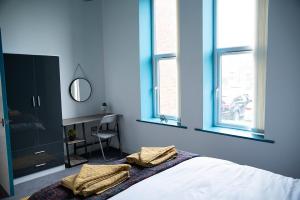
[
  {"x": 157, "y": 121},
  {"x": 250, "y": 135}
]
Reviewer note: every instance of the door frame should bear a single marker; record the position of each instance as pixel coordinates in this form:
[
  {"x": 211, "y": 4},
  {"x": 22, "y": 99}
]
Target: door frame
[{"x": 6, "y": 118}]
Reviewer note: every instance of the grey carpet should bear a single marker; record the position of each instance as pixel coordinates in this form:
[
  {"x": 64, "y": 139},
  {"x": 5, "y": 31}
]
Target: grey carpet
[{"x": 28, "y": 188}]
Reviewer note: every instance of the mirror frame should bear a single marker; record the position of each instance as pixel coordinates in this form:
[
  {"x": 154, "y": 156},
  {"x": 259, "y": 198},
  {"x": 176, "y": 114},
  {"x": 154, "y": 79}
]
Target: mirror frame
[{"x": 70, "y": 93}]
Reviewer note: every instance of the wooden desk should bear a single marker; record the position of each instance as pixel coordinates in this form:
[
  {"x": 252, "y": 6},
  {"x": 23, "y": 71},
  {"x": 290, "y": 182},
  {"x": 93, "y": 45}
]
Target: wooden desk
[
  {"x": 77, "y": 160},
  {"x": 83, "y": 119}
]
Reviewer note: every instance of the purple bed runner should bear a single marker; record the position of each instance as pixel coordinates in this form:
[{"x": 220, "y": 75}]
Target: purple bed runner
[{"x": 137, "y": 174}]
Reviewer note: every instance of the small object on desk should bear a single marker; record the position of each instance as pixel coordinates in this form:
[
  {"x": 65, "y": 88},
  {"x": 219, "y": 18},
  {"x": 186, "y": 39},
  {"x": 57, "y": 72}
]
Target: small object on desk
[{"x": 104, "y": 107}]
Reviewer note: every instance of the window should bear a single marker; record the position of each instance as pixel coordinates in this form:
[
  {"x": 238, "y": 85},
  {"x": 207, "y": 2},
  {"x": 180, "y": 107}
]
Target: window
[
  {"x": 165, "y": 68},
  {"x": 240, "y": 62}
]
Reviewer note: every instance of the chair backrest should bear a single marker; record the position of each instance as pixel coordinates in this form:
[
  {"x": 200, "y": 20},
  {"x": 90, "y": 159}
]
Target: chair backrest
[{"x": 109, "y": 119}]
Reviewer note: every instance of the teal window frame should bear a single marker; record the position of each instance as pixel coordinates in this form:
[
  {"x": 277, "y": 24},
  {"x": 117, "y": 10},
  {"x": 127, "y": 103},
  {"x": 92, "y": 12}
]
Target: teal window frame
[
  {"x": 209, "y": 82},
  {"x": 156, "y": 82},
  {"x": 145, "y": 59},
  {"x": 156, "y": 58},
  {"x": 7, "y": 129},
  {"x": 149, "y": 82},
  {"x": 208, "y": 63},
  {"x": 218, "y": 83},
  {"x": 217, "y": 53}
]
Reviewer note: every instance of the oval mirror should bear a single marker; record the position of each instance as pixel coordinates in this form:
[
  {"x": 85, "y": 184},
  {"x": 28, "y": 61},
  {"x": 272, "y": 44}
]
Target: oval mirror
[{"x": 80, "y": 89}]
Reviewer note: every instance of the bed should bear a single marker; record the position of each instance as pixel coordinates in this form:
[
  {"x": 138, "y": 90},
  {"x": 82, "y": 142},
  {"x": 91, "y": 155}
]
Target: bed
[{"x": 190, "y": 177}]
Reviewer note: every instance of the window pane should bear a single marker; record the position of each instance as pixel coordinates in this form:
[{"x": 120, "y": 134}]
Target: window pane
[
  {"x": 237, "y": 89},
  {"x": 165, "y": 26},
  {"x": 168, "y": 87},
  {"x": 236, "y": 23}
]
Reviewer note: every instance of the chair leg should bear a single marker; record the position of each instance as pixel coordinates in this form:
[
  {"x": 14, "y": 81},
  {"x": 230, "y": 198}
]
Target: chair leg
[
  {"x": 95, "y": 142},
  {"x": 101, "y": 148}
]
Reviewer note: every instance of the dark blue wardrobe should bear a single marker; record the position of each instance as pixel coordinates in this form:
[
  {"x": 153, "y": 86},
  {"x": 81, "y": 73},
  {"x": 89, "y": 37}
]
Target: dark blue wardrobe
[{"x": 34, "y": 108}]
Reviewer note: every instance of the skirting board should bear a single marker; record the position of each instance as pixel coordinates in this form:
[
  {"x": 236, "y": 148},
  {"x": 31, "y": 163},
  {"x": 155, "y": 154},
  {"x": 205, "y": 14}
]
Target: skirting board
[{"x": 38, "y": 174}]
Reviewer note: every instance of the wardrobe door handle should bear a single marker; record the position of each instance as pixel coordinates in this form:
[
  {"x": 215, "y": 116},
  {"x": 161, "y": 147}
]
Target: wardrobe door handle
[
  {"x": 39, "y": 101},
  {"x": 39, "y": 152},
  {"x": 33, "y": 101},
  {"x": 41, "y": 165}
]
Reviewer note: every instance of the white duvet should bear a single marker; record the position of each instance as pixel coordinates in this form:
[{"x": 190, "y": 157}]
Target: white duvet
[{"x": 209, "y": 178}]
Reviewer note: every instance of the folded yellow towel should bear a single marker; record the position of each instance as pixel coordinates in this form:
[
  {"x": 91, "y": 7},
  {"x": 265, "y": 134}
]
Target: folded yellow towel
[
  {"x": 95, "y": 179},
  {"x": 151, "y": 156}
]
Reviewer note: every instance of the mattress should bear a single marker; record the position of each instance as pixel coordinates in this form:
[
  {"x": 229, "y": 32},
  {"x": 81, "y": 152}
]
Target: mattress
[{"x": 213, "y": 179}]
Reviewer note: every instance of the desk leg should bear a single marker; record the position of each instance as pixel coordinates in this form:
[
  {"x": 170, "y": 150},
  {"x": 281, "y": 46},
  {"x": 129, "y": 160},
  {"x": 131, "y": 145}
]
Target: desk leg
[
  {"x": 119, "y": 139},
  {"x": 67, "y": 146},
  {"x": 74, "y": 146},
  {"x": 84, "y": 137}
]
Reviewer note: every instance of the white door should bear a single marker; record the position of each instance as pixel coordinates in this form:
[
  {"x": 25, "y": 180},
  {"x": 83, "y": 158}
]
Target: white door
[{"x": 6, "y": 178}]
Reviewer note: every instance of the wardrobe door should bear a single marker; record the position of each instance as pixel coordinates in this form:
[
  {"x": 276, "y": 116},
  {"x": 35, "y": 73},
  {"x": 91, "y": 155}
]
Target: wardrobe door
[
  {"x": 48, "y": 99},
  {"x": 20, "y": 87}
]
